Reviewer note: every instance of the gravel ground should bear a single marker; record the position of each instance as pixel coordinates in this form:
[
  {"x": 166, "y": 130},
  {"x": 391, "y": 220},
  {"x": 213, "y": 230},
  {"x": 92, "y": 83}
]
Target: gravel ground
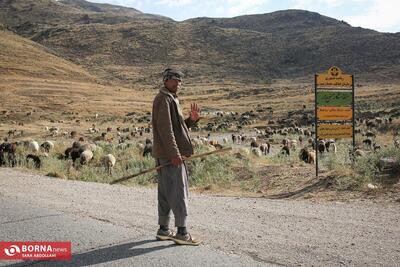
[{"x": 283, "y": 232}]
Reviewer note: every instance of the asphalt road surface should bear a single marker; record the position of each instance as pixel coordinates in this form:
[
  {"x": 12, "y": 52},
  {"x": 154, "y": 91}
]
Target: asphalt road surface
[{"x": 116, "y": 225}]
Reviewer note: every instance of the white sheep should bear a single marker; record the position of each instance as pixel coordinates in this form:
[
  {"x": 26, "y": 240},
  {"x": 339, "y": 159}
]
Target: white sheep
[
  {"x": 293, "y": 143},
  {"x": 197, "y": 142},
  {"x": 86, "y": 156},
  {"x": 90, "y": 146},
  {"x": 109, "y": 162},
  {"x": 140, "y": 146},
  {"x": 33, "y": 146},
  {"x": 204, "y": 140}
]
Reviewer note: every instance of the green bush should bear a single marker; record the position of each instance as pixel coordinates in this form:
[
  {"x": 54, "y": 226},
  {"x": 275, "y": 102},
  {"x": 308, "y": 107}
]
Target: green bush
[
  {"x": 364, "y": 170},
  {"x": 213, "y": 169}
]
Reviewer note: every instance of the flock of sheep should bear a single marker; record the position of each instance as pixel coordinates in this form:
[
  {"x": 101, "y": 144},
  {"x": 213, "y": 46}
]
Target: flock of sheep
[
  {"x": 258, "y": 142},
  {"x": 78, "y": 150}
]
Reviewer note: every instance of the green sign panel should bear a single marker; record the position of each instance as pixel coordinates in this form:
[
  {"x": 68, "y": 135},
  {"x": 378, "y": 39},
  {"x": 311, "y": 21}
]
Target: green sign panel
[{"x": 334, "y": 98}]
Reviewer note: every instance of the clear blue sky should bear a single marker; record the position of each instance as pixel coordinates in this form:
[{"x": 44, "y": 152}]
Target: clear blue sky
[{"x": 380, "y": 15}]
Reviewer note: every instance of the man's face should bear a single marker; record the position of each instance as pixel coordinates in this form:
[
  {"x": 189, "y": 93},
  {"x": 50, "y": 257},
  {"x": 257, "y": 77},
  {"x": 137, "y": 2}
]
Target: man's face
[{"x": 173, "y": 85}]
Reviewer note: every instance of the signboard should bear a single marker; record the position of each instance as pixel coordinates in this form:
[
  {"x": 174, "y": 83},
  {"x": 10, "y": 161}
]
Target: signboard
[
  {"x": 326, "y": 131},
  {"x": 334, "y": 113},
  {"x": 334, "y": 106},
  {"x": 334, "y": 98},
  {"x": 334, "y": 78}
]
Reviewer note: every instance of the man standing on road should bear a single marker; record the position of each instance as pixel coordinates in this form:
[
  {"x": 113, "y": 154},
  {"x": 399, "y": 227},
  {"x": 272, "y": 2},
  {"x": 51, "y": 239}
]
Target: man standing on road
[{"x": 171, "y": 145}]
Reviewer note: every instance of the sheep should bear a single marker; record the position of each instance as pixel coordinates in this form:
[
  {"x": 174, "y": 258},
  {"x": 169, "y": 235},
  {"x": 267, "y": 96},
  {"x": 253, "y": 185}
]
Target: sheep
[
  {"x": 285, "y": 142},
  {"x": 330, "y": 146},
  {"x": 308, "y": 156},
  {"x": 367, "y": 142},
  {"x": 148, "y": 148},
  {"x": 233, "y": 138},
  {"x": 218, "y": 146},
  {"x": 140, "y": 146},
  {"x": 397, "y": 143},
  {"x": 321, "y": 146},
  {"x": 265, "y": 148},
  {"x": 212, "y": 142},
  {"x": 33, "y": 146},
  {"x": 75, "y": 153},
  {"x": 359, "y": 153},
  {"x": 197, "y": 142},
  {"x": 47, "y": 145},
  {"x": 204, "y": 140},
  {"x": 333, "y": 148},
  {"x": 10, "y": 149},
  {"x": 293, "y": 143},
  {"x": 90, "y": 146},
  {"x": 254, "y": 144},
  {"x": 376, "y": 147},
  {"x": 36, "y": 160},
  {"x": 85, "y": 157},
  {"x": 285, "y": 150},
  {"x": 109, "y": 162},
  {"x": 370, "y": 134}
]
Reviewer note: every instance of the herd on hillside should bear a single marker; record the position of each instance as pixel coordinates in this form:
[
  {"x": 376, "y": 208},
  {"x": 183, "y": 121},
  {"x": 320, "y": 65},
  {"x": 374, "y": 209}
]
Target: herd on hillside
[{"x": 254, "y": 141}]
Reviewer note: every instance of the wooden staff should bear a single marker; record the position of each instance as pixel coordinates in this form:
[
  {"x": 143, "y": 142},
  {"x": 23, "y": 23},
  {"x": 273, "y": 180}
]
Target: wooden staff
[{"x": 161, "y": 166}]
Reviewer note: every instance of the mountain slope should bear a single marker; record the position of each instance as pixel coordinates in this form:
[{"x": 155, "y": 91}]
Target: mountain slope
[
  {"x": 285, "y": 21},
  {"x": 36, "y": 81},
  {"x": 120, "y": 45},
  {"x": 25, "y": 16},
  {"x": 22, "y": 57}
]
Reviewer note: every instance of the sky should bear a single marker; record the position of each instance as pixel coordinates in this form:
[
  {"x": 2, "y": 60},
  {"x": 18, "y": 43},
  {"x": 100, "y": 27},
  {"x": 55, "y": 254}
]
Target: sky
[{"x": 380, "y": 15}]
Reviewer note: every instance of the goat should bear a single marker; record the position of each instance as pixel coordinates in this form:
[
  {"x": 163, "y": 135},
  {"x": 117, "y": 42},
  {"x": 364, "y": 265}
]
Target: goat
[{"x": 36, "y": 160}]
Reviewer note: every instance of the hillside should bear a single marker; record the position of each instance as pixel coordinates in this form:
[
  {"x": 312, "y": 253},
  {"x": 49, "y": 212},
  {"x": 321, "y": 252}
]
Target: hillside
[
  {"x": 37, "y": 82},
  {"x": 124, "y": 46},
  {"x": 22, "y": 57},
  {"x": 286, "y": 22},
  {"x": 274, "y": 55},
  {"x": 27, "y": 16}
]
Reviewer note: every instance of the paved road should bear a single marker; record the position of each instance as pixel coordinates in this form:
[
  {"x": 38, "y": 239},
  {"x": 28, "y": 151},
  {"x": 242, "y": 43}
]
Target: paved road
[
  {"x": 115, "y": 226},
  {"x": 100, "y": 243}
]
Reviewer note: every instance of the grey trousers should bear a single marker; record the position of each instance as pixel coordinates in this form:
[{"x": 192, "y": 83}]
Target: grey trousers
[{"x": 172, "y": 193}]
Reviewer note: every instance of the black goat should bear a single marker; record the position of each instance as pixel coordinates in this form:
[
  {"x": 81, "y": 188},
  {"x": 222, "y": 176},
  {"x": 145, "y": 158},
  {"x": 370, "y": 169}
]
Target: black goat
[{"x": 36, "y": 160}]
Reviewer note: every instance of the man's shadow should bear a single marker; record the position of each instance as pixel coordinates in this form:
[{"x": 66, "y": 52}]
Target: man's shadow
[{"x": 103, "y": 255}]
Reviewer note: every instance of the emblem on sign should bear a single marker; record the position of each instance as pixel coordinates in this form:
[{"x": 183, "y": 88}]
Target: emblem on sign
[{"x": 334, "y": 78}]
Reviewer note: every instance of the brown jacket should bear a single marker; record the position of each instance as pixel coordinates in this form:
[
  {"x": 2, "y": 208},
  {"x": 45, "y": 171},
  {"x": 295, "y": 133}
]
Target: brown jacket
[{"x": 170, "y": 130}]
